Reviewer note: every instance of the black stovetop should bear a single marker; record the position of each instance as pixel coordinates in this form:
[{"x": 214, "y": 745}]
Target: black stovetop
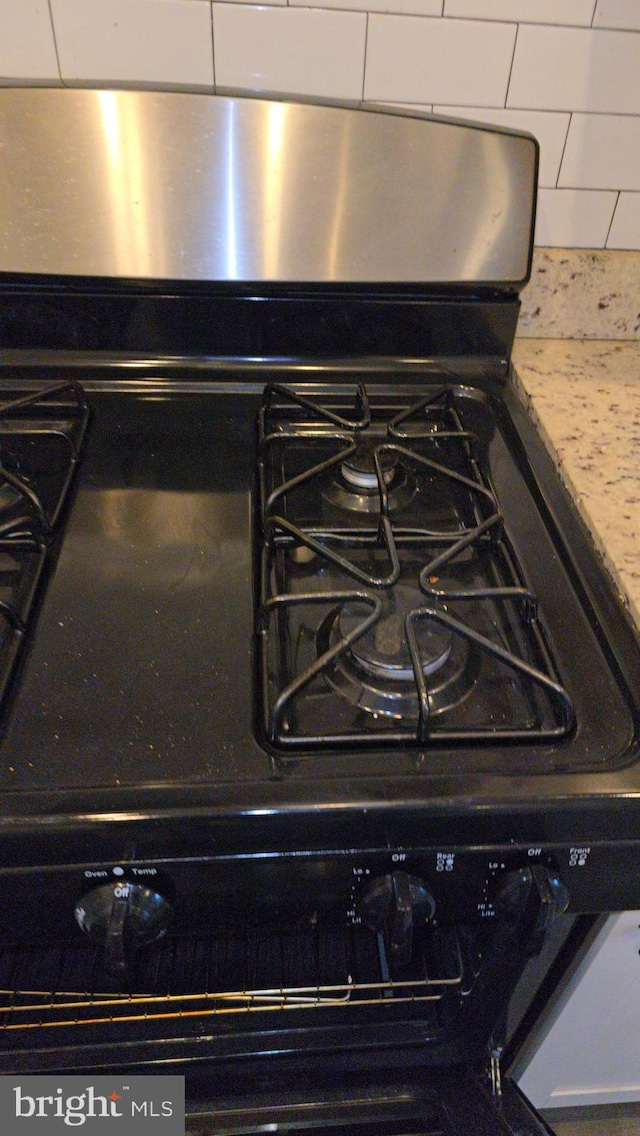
[{"x": 139, "y": 686}]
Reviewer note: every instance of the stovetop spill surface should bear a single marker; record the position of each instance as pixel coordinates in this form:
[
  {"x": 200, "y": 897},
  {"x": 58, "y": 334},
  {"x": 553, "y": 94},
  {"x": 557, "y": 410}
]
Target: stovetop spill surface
[
  {"x": 142, "y": 660},
  {"x": 141, "y": 673}
]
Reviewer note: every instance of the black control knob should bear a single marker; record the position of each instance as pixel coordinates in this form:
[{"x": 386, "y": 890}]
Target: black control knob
[
  {"x": 397, "y": 905},
  {"x": 532, "y": 896},
  {"x": 123, "y": 916}
]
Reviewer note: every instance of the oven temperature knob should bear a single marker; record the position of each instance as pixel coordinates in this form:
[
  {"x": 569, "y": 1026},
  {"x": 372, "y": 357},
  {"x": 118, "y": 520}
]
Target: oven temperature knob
[
  {"x": 123, "y": 916},
  {"x": 396, "y": 905}
]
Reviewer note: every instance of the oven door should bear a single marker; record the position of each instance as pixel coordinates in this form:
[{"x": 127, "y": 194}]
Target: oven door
[
  {"x": 451, "y": 1102},
  {"x": 293, "y": 1029}
]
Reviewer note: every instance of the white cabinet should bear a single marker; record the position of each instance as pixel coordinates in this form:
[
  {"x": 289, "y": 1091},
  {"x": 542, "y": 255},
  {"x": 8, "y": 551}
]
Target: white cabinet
[{"x": 589, "y": 1052}]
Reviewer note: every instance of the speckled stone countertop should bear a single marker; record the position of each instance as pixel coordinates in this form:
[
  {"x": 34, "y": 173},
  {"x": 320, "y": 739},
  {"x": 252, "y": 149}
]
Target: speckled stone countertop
[
  {"x": 584, "y": 396},
  {"x": 582, "y": 294}
]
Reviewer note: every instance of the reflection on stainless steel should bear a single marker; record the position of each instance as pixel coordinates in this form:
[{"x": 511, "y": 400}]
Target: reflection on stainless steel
[{"x": 157, "y": 185}]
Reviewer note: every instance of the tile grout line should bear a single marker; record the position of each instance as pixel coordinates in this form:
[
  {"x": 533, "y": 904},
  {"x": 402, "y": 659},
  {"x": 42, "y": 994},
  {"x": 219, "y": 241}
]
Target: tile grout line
[
  {"x": 55, "y": 43},
  {"x": 364, "y": 60},
  {"x": 615, "y": 208},
  {"x": 567, "y": 110},
  {"x": 564, "y": 147},
  {"x": 213, "y": 47},
  {"x": 585, "y": 189},
  {"x": 513, "y": 57}
]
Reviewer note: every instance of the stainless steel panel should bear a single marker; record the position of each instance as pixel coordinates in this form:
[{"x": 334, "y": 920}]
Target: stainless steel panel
[{"x": 157, "y": 185}]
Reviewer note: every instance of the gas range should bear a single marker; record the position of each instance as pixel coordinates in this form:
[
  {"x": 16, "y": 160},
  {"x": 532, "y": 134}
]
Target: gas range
[{"x": 315, "y": 694}]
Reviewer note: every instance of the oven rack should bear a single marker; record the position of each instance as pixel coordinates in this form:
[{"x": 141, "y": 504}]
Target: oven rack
[{"x": 69, "y": 986}]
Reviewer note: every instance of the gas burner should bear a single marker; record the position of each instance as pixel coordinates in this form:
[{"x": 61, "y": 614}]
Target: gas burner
[
  {"x": 376, "y": 673},
  {"x": 41, "y": 433},
  {"x": 356, "y": 485},
  {"x": 359, "y": 469},
  {"x": 383, "y": 652},
  {"x": 384, "y": 515}
]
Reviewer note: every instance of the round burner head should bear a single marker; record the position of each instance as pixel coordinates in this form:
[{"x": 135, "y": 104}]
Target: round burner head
[
  {"x": 383, "y": 651},
  {"x": 376, "y": 673},
  {"x": 359, "y": 469},
  {"x": 356, "y": 487}
]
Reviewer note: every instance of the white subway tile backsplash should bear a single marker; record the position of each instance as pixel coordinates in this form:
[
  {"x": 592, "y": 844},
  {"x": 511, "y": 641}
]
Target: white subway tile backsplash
[
  {"x": 406, "y": 7},
  {"x": 574, "y": 218},
  {"x": 602, "y": 152},
  {"x": 525, "y": 11},
  {"x": 550, "y": 130},
  {"x": 625, "y": 230},
  {"x": 27, "y": 48},
  {"x": 289, "y": 50},
  {"x": 617, "y": 14},
  {"x": 576, "y": 69},
  {"x": 134, "y": 42},
  {"x": 438, "y": 61}
]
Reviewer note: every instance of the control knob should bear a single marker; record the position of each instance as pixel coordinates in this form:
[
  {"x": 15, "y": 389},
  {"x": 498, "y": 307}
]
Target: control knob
[
  {"x": 123, "y": 916},
  {"x": 396, "y": 905},
  {"x": 532, "y": 896}
]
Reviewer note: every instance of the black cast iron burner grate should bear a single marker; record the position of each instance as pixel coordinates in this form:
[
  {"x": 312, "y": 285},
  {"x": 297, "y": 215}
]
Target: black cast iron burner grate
[
  {"x": 392, "y": 606},
  {"x": 41, "y": 434}
]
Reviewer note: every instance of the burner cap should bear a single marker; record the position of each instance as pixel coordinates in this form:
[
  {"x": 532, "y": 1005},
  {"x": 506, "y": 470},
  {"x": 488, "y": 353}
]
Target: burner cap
[
  {"x": 356, "y": 486},
  {"x": 376, "y": 674},
  {"x": 383, "y": 651},
  {"x": 359, "y": 469}
]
